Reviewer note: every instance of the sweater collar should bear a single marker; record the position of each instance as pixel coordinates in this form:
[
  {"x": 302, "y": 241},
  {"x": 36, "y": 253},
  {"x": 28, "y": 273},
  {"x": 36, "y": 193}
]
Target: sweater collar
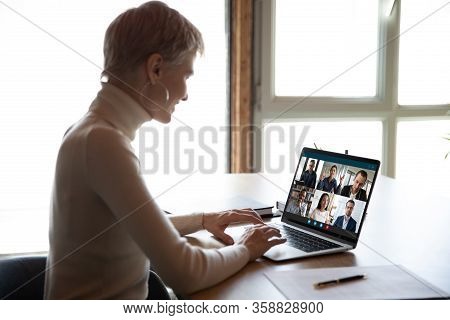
[{"x": 120, "y": 109}]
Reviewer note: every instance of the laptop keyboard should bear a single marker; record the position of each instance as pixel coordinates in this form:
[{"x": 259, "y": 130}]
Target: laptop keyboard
[{"x": 304, "y": 241}]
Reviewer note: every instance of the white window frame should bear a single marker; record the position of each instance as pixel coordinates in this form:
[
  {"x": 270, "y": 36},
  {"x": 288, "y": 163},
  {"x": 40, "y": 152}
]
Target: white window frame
[{"x": 382, "y": 107}]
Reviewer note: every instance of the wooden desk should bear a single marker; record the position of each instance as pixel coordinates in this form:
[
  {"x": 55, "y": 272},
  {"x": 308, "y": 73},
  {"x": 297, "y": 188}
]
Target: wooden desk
[{"x": 406, "y": 225}]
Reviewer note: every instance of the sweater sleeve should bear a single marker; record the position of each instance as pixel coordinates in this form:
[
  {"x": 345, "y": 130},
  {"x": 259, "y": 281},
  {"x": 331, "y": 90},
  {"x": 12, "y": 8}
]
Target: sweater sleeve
[{"x": 114, "y": 175}]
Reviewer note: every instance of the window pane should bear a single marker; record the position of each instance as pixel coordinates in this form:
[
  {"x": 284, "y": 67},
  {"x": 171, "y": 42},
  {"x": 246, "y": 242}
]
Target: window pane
[
  {"x": 316, "y": 42},
  {"x": 421, "y": 151},
  {"x": 424, "y": 66},
  {"x": 283, "y": 141},
  {"x": 46, "y": 87}
]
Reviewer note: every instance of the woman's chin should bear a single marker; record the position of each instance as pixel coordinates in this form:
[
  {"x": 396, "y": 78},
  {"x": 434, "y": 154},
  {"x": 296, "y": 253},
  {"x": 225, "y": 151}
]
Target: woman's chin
[
  {"x": 163, "y": 116},
  {"x": 164, "y": 119}
]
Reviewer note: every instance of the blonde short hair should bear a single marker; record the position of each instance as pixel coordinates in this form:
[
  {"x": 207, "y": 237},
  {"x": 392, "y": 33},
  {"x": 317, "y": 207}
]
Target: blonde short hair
[{"x": 153, "y": 27}]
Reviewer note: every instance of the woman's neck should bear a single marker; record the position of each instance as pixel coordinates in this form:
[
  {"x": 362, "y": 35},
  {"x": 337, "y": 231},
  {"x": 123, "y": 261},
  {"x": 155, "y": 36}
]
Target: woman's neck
[{"x": 127, "y": 85}]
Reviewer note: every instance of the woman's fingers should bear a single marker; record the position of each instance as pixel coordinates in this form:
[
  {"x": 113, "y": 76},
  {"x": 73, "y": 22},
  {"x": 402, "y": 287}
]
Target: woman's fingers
[
  {"x": 260, "y": 238},
  {"x": 276, "y": 241},
  {"x": 272, "y": 232},
  {"x": 246, "y": 215}
]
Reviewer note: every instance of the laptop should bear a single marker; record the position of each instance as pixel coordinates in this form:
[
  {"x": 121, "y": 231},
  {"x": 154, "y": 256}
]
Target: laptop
[{"x": 326, "y": 205}]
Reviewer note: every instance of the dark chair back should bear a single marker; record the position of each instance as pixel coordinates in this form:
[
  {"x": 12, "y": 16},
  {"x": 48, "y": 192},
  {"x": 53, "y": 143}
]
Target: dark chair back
[
  {"x": 23, "y": 278},
  {"x": 157, "y": 290}
]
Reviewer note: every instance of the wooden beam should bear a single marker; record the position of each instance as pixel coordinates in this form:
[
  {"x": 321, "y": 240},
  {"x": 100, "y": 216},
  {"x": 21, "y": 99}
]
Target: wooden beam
[{"x": 241, "y": 86}]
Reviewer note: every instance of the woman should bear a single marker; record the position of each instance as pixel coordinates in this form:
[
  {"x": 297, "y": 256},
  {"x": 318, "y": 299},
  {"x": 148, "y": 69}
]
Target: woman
[
  {"x": 320, "y": 213},
  {"x": 105, "y": 226}
]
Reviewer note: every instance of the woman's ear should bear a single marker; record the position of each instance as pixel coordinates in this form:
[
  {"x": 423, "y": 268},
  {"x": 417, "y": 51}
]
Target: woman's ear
[{"x": 153, "y": 67}]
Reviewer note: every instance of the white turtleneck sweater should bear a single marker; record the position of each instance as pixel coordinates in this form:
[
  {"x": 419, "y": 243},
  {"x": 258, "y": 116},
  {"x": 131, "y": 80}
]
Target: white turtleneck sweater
[{"x": 104, "y": 225}]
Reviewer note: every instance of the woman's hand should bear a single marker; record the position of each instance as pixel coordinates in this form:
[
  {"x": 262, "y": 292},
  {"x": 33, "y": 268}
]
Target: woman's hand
[
  {"x": 260, "y": 238},
  {"x": 217, "y": 222}
]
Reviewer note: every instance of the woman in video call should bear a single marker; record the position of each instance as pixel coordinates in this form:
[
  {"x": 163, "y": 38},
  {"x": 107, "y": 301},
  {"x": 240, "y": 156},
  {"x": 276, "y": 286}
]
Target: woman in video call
[
  {"x": 105, "y": 226},
  {"x": 320, "y": 213}
]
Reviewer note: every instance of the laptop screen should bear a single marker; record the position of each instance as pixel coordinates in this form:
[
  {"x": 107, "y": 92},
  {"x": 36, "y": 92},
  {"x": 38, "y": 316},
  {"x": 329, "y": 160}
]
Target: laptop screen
[{"x": 330, "y": 193}]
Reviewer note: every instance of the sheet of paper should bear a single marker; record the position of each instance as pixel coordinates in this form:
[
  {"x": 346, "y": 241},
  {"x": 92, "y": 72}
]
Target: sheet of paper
[{"x": 382, "y": 282}]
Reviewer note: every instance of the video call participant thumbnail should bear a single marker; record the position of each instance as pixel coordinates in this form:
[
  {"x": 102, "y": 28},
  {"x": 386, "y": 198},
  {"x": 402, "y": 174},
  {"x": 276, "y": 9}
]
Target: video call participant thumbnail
[
  {"x": 355, "y": 190},
  {"x": 346, "y": 221}
]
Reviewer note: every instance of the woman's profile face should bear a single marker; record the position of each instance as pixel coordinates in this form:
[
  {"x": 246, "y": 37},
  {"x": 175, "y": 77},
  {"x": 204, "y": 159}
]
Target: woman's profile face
[{"x": 174, "y": 78}]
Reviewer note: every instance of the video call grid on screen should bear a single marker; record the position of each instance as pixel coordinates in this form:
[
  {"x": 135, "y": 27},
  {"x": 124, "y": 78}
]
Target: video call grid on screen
[{"x": 339, "y": 197}]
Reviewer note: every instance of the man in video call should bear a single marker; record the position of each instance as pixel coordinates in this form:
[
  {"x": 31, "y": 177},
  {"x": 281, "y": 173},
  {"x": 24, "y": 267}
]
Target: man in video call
[
  {"x": 298, "y": 206},
  {"x": 355, "y": 190},
  {"x": 309, "y": 175},
  {"x": 346, "y": 221}
]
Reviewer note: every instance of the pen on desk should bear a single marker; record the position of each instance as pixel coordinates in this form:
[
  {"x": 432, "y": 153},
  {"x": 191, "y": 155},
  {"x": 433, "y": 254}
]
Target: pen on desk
[{"x": 339, "y": 280}]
